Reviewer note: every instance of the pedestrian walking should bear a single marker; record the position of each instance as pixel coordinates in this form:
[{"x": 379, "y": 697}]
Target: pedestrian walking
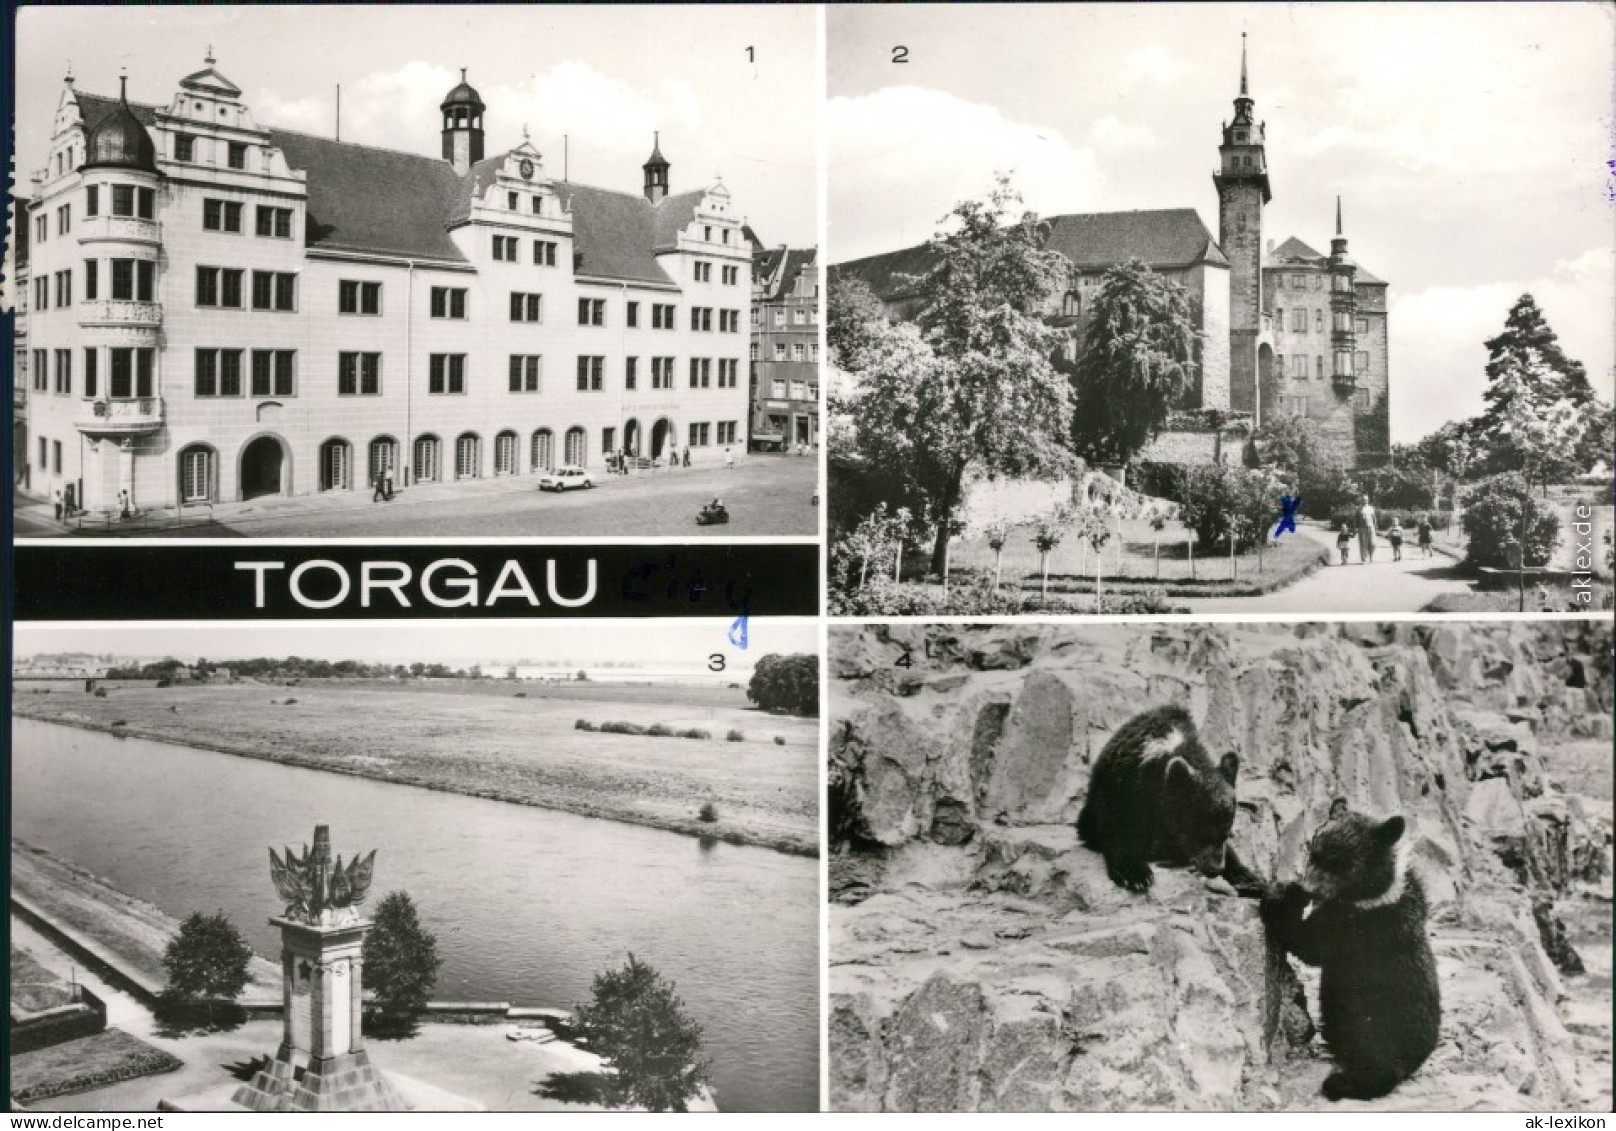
[
  {"x": 1366, "y": 532},
  {"x": 1343, "y": 541},
  {"x": 378, "y": 493},
  {"x": 1395, "y": 537},
  {"x": 729, "y": 459},
  {"x": 56, "y": 497},
  {"x": 125, "y": 506},
  {"x": 687, "y": 455},
  {"x": 1423, "y": 532}
]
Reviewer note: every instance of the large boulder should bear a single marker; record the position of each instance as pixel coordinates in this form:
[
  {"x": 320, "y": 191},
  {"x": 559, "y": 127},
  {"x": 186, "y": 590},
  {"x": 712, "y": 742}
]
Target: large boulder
[{"x": 982, "y": 960}]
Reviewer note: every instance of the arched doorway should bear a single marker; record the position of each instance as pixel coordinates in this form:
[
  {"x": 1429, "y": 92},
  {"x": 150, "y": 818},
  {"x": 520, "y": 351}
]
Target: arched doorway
[
  {"x": 468, "y": 456},
  {"x": 336, "y": 465},
  {"x": 383, "y": 459},
  {"x": 576, "y": 447},
  {"x": 263, "y": 468},
  {"x": 543, "y": 450},
  {"x": 428, "y": 459},
  {"x": 505, "y": 447},
  {"x": 661, "y": 436},
  {"x": 1267, "y": 394},
  {"x": 198, "y": 474},
  {"x": 631, "y": 436}
]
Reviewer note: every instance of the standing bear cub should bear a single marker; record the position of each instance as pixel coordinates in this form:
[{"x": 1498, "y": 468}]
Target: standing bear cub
[
  {"x": 1380, "y": 1009},
  {"x": 1156, "y": 796}
]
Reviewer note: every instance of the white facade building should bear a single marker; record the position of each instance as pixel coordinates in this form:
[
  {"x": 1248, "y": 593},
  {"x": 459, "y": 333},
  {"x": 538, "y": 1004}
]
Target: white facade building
[{"x": 220, "y": 310}]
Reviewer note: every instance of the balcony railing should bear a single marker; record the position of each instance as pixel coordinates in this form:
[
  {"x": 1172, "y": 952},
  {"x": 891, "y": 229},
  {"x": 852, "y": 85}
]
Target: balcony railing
[
  {"x": 121, "y": 312},
  {"x": 126, "y": 229},
  {"x": 122, "y": 417}
]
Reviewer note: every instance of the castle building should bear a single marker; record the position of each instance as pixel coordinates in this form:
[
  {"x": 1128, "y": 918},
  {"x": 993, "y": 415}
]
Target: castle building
[
  {"x": 1285, "y": 331},
  {"x": 222, "y": 310},
  {"x": 785, "y": 347}
]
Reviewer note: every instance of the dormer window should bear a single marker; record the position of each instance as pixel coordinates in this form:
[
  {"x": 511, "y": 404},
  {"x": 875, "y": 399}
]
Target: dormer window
[
  {"x": 512, "y": 201},
  {"x": 184, "y": 147},
  {"x": 238, "y": 155}
]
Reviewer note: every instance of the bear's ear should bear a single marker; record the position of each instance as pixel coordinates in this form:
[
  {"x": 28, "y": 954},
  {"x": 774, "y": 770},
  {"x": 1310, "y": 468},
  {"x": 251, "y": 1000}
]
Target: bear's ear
[
  {"x": 1229, "y": 767},
  {"x": 1390, "y": 831},
  {"x": 1338, "y": 808},
  {"x": 1179, "y": 779}
]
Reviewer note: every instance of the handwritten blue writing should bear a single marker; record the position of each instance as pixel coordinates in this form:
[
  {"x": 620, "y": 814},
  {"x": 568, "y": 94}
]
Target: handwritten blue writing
[{"x": 1287, "y": 520}]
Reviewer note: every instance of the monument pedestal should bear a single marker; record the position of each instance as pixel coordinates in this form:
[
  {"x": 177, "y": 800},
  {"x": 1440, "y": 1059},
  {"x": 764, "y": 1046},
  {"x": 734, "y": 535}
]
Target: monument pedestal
[{"x": 321, "y": 1064}]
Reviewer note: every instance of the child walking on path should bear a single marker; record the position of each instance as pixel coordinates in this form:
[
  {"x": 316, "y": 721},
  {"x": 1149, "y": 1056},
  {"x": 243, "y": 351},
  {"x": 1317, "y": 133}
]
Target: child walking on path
[
  {"x": 1424, "y": 532},
  {"x": 1395, "y": 537},
  {"x": 1343, "y": 541}
]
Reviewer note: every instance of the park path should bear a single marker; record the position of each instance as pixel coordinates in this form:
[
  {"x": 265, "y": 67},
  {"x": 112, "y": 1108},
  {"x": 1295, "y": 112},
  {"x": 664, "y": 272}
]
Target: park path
[{"x": 1383, "y": 586}]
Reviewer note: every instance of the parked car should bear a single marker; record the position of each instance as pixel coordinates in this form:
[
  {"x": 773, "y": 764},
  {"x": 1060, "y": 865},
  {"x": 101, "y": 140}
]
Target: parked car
[{"x": 564, "y": 477}]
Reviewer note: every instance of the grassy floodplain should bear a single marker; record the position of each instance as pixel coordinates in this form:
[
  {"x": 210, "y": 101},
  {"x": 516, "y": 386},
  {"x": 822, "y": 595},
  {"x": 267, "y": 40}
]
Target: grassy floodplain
[{"x": 506, "y": 740}]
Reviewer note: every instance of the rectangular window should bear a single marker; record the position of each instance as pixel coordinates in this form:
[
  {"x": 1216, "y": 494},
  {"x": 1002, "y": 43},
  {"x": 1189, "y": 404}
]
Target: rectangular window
[
  {"x": 64, "y": 372},
  {"x": 238, "y": 155},
  {"x": 64, "y": 288},
  {"x": 512, "y": 201},
  {"x": 230, "y": 373},
  {"x": 207, "y": 284},
  {"x": 701, "y": 372},
  {"x": 701, "y": 318},
  {"x": 448, "y": 302},
  {"x": 632, "y": 314},
  {"x": 1299, "y": 321},
  {"x": 544, "y": 251},
  {"x": 799, "y": 352},
  {"x": 221, "y": 215},
  {"x": 41, "y": 378},
  {"x": 41, "y": 228},
  {"x": 779, "y": 351},
  {"x": 184, "y": 147},
  {"x": 205, "y": 382},
  {"x": 1318, "y": 321},
  {"x": 42, "y": 293},
  {"x": 91, "y": 371},
  {"x": 729, "y": 372},
  {"x": 123, "y": 279},
  {"x": 92, "y": 271},
  {"x": 272, "y": 373},
  {"x": 662, "y": 316},
  {"x": 505, "y": 249},
  {"x": 631, "y": 372},
  {"x": 56, "y": 452},
  {"x": 147, "y": 199},
  {"x": 526, "y": 308},
  {"x": 274, "y": 223},
  {"x": 591, "y": 374},
  {"x": 92, "y": 200},
  {"x": 727, "y": 432},
  {"x": 359, "y": 374},
  {"x": 447, "y": 373},
  {"x": 526, "y": 373},
  {"x": 1318, "y": 367},
  {"x": 777, "y": 388},
  {"x": 591, "y": 312},
  {"x": 1363, "y": 363},
  {"x": 699, "y": 434},
  {"x": 1362, "y": 325},
  {"x": 64, "y": 219},
  {"x": 662, "y": 373},
  {"x": 230, "y": 288},
  {"x": 274, "y": 290},
  {"x": 731, "y": 276},
  {"x": 703, "y": 271}
]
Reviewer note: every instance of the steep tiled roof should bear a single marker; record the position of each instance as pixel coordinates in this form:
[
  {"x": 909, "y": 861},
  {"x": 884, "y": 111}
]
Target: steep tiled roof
[
  {"x": 378, "y": 200},
  {"x": 1294, "y": 248},
  {"x": 791, "y": 263},
  {"x": 366, "y": 199},
  {"x": 1171, "y": 237}
]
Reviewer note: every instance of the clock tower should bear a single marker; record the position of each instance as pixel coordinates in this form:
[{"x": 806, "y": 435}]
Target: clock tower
[{"x": 1242, "y": 184}]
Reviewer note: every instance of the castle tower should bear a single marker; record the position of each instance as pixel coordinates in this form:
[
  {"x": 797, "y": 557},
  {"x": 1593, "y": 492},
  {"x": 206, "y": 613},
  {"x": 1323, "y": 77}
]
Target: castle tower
[
  {"x": 1343, "y": 310},
  {"x": 463, "y": 126},
  {"x": 1242, "y": 184},
  {"x": 656, "y": 171}
]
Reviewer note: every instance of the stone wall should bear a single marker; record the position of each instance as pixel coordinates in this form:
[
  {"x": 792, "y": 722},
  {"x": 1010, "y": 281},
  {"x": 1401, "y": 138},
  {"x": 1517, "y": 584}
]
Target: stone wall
[{"x": 981, "y": 959}]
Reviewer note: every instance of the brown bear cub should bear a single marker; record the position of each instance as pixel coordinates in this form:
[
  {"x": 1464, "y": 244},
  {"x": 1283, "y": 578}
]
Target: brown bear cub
[
  {"x": 1379, "y": 1006},
  {"x": 1155, "y": 795}
]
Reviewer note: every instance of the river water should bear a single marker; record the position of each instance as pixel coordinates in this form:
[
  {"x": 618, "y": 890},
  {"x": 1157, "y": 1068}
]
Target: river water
[{"x": 527, "y": 904}]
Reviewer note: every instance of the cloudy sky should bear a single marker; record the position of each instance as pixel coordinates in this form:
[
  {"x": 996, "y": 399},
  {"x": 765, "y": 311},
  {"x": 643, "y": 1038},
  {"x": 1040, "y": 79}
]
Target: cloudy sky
[
  {"x": 661, "y": 643},
  {"x": 607, "y": 77},
  {"x": 1469, "y": 144}
]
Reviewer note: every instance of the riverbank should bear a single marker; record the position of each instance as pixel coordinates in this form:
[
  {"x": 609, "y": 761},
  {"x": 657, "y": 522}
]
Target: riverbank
[{"x": 502, "y": 740}]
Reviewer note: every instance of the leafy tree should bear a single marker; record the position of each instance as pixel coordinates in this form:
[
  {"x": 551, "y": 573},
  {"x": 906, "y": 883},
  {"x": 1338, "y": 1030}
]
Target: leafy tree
[
  {"x": 974, "y": 388},
  {"x": 1138, "y": 362},
  {"x": 1529, "y": 376},
  {"x": 208, "y": 960},
  {"x": 1047, "y": 532},
  {"x": 1497, "y": 512},
  {"x": 1296, "y": 447},
  {"x": 853, "y": 319},
  {"x": 637, "y": 1021},
  {"x": 401, "y": 962},
  {"x": 786, "y": 683}
]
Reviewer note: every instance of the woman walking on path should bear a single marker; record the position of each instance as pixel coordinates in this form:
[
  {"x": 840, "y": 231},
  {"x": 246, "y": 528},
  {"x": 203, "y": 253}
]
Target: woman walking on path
[{"x": 1366, "y": 532}]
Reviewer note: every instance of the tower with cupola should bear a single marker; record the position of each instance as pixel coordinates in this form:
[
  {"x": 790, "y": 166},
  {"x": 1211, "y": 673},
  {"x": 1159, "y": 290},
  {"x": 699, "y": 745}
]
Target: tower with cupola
[
  {"x": 656, "y": 171},
  {"x": 1242, "y": 184},
  {"x": 463, "y": 126}
]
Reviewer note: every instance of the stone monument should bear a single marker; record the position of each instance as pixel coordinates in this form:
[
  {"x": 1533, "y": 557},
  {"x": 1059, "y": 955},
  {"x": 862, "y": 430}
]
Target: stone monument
[{"x": 321, "y": 1064}]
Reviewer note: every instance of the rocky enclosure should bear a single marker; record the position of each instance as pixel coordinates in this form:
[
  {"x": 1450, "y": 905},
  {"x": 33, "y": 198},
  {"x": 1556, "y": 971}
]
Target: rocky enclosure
[{"x": 981, "y": 959}]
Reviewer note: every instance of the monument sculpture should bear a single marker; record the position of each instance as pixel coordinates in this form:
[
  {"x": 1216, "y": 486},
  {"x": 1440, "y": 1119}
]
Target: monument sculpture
[{"x": 321, "y": 1064}]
